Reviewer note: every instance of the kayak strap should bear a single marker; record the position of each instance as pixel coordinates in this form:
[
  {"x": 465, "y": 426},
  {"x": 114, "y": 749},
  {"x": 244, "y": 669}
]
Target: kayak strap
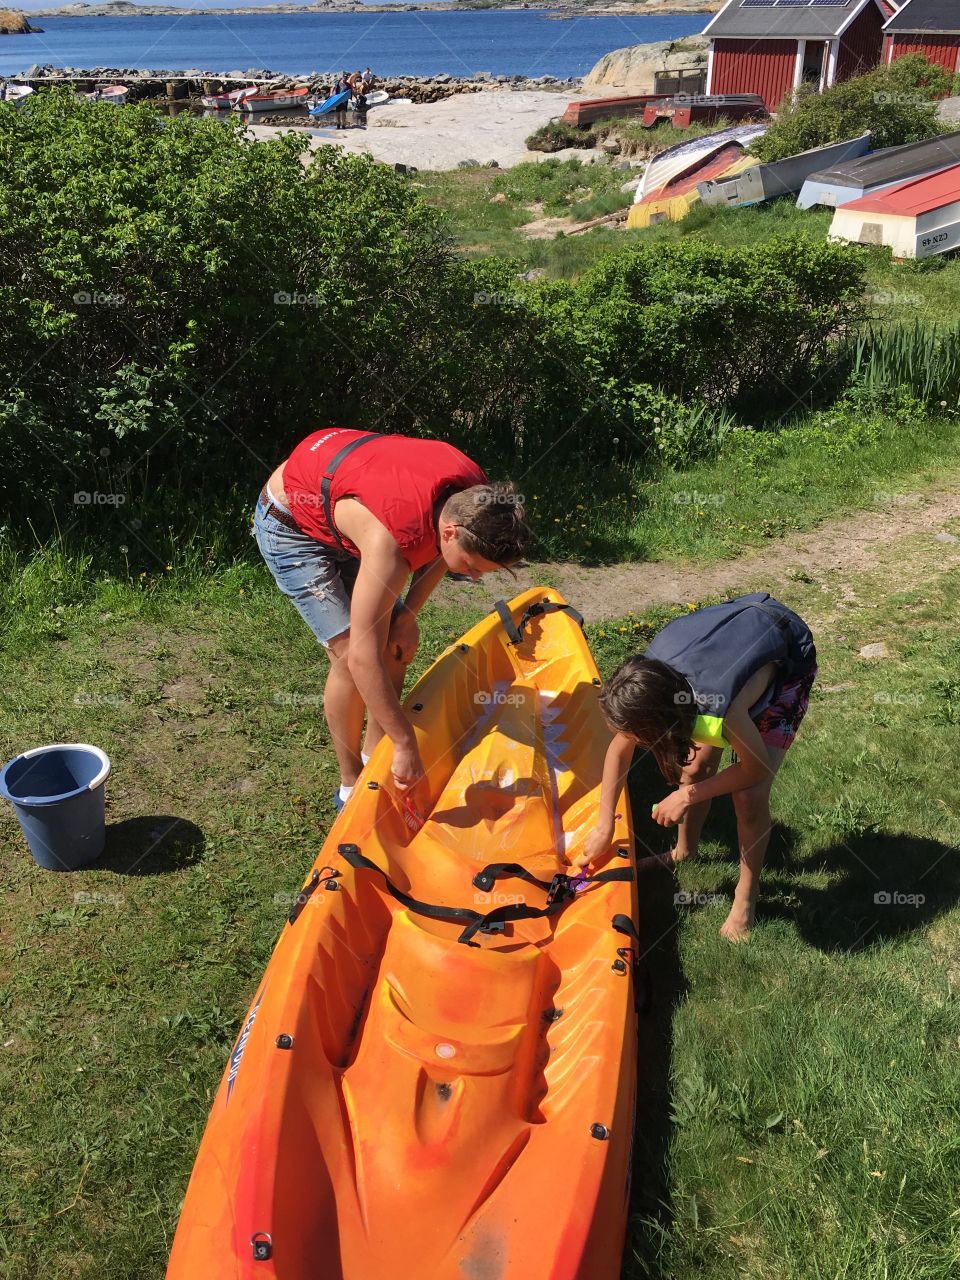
[
  {"x": 515, "y": 629},
  {"x": 561, "y": 886},
  {"x": 561, "y": 890},
  {"x": 642, "y": 981},
  {"x": 352, "y": 854}
]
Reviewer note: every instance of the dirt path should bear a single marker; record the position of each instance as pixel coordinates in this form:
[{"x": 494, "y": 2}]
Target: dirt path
[{"x": 851, "y": 545}]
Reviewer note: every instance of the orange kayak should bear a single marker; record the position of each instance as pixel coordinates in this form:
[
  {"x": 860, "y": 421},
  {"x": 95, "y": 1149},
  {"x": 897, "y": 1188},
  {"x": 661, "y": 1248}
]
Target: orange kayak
[{"x": 436, "y": 1078}]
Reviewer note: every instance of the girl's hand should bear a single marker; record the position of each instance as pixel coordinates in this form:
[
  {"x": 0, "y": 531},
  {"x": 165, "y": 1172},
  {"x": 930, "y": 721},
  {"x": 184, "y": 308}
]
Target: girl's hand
[
  {"x": 672, "y": 810},
  {"x": 595, "y": 846}
]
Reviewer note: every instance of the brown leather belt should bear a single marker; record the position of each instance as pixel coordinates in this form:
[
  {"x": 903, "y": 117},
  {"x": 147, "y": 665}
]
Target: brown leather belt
[{"x": 278, "y": 512}]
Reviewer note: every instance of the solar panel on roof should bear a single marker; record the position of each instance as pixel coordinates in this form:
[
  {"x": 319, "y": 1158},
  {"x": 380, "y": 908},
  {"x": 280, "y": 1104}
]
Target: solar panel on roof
[{"x": 795, "y": 4}]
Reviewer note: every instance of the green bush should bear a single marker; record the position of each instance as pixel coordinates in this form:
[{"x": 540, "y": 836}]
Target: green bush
[
  {"x": 897, "y": 103},
  {"x": 167, "y": 284},
  {"x": 748, "y": 329},
  {"x": 181, "y": 306},
  {"x": 555, "y": 135}
]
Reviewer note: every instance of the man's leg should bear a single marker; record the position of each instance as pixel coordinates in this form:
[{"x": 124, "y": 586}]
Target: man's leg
[
  {"x": 343, "y": 707},
  {"x": 703, "y": 765},
  {"x": 753, "y": 835}
]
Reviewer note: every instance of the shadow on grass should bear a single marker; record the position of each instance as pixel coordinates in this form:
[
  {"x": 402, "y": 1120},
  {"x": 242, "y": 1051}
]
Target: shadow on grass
[
  {"x": 884, "y": 885},
  {"x": 650, "y": 1207},
  {"x": 151, "y": 845}
]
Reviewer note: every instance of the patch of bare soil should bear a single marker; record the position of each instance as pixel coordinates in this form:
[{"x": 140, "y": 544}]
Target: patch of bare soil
[{"x": 851, "y": 545}]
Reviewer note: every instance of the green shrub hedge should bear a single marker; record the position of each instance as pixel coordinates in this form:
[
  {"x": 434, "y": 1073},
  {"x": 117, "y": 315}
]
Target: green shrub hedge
[
  {"x": 897, "y": 103},
  {"x": 188, "y": 304}
]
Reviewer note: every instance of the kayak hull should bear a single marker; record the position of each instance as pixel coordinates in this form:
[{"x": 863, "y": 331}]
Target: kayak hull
[
  {"x": 336, "y": 101},
  {"x": 400, "y": 1104}
]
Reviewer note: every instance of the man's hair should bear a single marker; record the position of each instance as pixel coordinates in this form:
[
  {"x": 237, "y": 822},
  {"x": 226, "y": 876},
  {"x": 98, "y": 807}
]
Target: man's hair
[
  {"x": 492, "y": 521},
  {"x": 654, "y": 703}
]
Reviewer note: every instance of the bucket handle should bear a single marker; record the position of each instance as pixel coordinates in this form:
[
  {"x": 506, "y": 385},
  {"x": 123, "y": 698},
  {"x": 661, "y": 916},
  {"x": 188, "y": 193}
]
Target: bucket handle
[{"x": 74, "y": 746}]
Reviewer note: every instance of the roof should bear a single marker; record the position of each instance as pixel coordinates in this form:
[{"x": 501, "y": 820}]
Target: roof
[
  {"x": 909, "y": 199},
  {"x": 787, "y": 19},
  {"x": 897, "y": 164},
  {"x": 927, "y": 15}
]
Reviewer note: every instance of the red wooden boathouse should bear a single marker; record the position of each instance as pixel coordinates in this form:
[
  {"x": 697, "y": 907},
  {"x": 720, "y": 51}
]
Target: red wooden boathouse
[
  {"x": 772, "y": 47},
  {"x": 930, "y": 27}
]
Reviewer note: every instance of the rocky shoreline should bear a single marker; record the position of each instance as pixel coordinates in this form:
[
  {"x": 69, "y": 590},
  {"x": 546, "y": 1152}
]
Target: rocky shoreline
[
  {"x": 563, "y": 8},
  {"x": 186, "y": 87}
]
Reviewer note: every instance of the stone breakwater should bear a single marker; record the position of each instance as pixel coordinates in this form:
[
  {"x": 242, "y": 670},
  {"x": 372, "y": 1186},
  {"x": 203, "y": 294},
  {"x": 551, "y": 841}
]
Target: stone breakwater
[{"x": 190, "y": 85}]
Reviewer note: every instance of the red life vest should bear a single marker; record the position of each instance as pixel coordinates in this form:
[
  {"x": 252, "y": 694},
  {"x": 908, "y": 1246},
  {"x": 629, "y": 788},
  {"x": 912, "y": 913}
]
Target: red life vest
[{"x": 399, "y": 479}]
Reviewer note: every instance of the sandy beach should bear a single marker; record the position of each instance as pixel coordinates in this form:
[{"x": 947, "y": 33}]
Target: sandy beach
[{"x": 492, "y": 125}]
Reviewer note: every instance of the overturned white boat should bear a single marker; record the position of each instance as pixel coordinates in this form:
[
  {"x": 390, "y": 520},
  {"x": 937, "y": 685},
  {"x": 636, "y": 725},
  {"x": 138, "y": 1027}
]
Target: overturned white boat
[
  {"x": 780, "y": 178},
  {"x": 915, "y": 219}
]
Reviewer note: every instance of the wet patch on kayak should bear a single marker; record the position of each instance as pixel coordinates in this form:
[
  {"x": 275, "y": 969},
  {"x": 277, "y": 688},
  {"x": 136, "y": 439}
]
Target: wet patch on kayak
[{"x": 487, "y": 1260}]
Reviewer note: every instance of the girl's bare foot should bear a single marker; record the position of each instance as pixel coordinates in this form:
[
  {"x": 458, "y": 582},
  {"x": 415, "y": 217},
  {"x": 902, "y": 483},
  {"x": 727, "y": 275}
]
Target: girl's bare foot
[
  {"x": 737, "y": 926},
  {"x": 665, "y": 860}
]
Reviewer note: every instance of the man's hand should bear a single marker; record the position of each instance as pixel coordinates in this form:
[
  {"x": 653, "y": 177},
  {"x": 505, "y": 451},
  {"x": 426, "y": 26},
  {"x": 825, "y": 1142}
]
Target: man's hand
[
  {"x": 407, "y": 767},
  {"x": 597, "y": 843},
  {"x": 672, "y": 810},
  {"x": 404, "y": 634}
]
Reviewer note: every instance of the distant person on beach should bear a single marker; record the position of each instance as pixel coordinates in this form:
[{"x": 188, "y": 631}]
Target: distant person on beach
[
  {"x": 369, "y": 80},
  {"x": 343, "y": 85},
  {"x": 360, "y": 106},
  {"x": 733, "y": 675}
]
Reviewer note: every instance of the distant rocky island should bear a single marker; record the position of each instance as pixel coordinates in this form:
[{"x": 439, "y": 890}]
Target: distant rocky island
[
  {"x": 14, "y": 23},
  {"x": 128, "y": 9}
]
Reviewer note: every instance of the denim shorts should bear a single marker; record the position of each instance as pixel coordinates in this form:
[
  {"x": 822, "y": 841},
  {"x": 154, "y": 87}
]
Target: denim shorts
[{"x": 318, "y": 579}]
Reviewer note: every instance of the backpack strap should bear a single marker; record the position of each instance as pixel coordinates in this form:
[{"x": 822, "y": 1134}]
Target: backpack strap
[{"x": 327, "y": 481}]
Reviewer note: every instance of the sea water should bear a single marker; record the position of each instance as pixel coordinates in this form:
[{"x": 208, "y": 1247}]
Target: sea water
[{"x": 530, "y": 42}]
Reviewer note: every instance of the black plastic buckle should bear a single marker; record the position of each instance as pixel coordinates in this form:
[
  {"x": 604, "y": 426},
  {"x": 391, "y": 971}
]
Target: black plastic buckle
[
  {"x": 494, "y": 926},
  {"x": 560, "y": 889}
]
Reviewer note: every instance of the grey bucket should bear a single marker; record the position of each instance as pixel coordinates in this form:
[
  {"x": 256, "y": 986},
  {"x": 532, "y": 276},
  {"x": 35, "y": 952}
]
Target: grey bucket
[{"x": 58, "y": 793}]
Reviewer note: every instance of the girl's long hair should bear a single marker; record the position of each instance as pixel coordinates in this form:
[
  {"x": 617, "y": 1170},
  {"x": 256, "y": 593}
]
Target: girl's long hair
[{"x": 654, "y": 703}]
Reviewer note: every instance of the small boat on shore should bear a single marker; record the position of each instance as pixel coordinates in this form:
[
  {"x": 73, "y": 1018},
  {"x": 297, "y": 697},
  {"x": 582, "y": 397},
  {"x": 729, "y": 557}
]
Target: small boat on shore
[
  {"x": 225, "y": 101},
  {"x": 784, "y": 177},
  {"x": 278, "y": 100},
  {"x": 15, "y": 93},
  {"x": 684, "y": 109},
  {"x": 115, "y": 93},
  {"x": 844, "y": 183},
  {"x": 593, "y": 109},
  {"x": 669, "y": 188},
  {"x": 915, "y": 219},
  {"x": 329, "y": 105}
]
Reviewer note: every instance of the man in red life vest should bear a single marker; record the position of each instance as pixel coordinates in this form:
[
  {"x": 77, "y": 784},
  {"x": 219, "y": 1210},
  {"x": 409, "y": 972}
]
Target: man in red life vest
[{"x": 342, "y": 524}]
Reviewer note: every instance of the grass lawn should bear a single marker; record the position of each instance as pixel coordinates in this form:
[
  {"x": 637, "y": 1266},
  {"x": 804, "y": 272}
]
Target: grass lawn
[
  {"x": 764, "y": 484},
  {"x": 799, "y": 1095},
  {"x": 928, "y": 290}
]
